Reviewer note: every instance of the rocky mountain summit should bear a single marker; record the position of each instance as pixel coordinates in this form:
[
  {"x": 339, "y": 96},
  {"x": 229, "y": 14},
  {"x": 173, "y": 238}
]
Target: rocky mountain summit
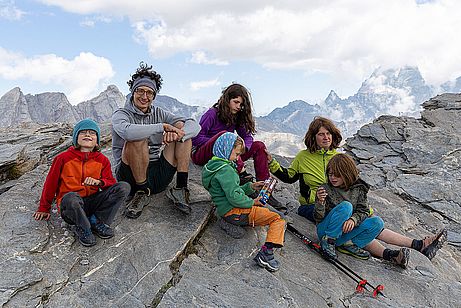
[{"x": 167, "y": 259}]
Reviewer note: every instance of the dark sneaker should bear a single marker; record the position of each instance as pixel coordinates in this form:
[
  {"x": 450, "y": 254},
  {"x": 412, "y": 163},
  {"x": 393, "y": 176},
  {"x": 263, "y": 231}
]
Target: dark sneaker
[
  {"x": 354, "y": 250},
  {"x": 265, "y": 258},
  {"x": 85, "y": 237},
  {"x": 276, "y": 204},
  {"x": 137, "y": 203},
  {"x": 231, "y": 229},
  {"x": 180, "y": 198},
  {"x": 245, "y": 177},
  {"x": 402, "y": 258},
  {"x": 102, "y": 230},
  {"x": 431, "y": 244},
  {"x": 327, "y": 246}
]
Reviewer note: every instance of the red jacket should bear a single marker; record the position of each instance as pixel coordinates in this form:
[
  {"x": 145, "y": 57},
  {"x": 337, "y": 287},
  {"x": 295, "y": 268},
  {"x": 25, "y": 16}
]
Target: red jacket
[{"x": 67, "y": 173}]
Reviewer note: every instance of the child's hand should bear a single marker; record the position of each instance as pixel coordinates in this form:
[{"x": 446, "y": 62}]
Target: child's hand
[
  {"x": 257, "y": 202},
  {"x": 89, "y": 181},
  {"x": 269, "y": 156},
  {"x": 41, "y": 215},
  {"x": 257, "y": 185},
  {"x": 322, "y": 195},
  {"x": 348, "y": 226}
]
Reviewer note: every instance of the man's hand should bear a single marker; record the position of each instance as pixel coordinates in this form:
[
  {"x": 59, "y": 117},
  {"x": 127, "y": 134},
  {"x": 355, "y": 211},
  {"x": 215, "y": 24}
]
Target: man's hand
[
  {"x": 89, "y": 181},
  {"x": 348, "y": 226},
  {"x": 257, "y": 185},
  {"x": 172, "y": 133},
  {"x": 41, "y": 215}
]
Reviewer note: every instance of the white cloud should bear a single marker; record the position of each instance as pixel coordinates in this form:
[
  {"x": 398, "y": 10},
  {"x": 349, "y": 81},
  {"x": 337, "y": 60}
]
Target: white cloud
[
  {"x": 91, "y": 22},
  {"x": 9, "y": 11},
  {"x": 80, "y": 78},
  {"x": 344, "y": 38},
  {"x": 197, "y": 85},
  {"x": 200, "y": 57}
]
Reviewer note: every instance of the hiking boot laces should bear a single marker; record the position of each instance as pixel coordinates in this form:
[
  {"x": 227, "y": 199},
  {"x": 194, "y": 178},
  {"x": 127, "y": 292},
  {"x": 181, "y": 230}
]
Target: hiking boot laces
[{"x": 402, "y": 258}]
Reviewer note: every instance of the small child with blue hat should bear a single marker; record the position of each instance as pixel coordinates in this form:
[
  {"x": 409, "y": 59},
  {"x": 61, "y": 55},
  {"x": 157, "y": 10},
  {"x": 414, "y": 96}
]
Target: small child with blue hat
[
  {"x": 81, "y": 181},
  {"x": 220, "y": 178}
]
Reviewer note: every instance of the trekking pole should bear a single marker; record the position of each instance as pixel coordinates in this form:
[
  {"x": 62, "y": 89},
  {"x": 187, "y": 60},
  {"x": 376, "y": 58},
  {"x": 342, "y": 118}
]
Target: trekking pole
[{"x": 361, "y": 283}]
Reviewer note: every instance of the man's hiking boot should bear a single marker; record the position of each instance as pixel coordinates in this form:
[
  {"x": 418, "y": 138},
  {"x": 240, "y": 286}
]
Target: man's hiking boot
[
  {"x": 231, "y": 229},
  {"x": 102, "y": 230},
  {"x": 245, "y": 177},
  {"x": 402, "y": 258},
  {"x": 276, "y": 204},
  {"x": 431, "y": 244},
  {"x": 265, "y": 258},
  {"x": 354, "y": 250},
  {"x": 180, "y": 198},
  {"x": 327, "y": 246},
  {"x": 85, "y": 237},
  {"x": 137, "y": 204}
]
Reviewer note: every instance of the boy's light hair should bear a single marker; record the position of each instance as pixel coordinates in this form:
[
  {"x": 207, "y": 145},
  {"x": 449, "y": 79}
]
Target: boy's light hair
[
  {"x": 240, "y": 145},
  {"x": 342, "y": 165}
]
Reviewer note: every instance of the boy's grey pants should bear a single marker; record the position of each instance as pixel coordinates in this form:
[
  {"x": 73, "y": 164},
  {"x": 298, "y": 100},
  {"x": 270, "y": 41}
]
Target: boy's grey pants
[{"x": 104, "y": 204}]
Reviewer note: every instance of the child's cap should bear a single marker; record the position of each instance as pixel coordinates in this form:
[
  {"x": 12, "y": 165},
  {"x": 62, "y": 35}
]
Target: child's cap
[
  {"x": 84, "y": 125},
  {"x": 223, "y": 146}
]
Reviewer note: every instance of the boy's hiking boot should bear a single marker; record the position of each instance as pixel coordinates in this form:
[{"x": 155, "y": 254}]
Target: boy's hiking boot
[
  {"x": 402, "y": 258},
  {"x": 85, "y": 237},
  {"x": 276, "y": 204},
  {"x": 265, "y": 258},
  {"x": 137, "y": 203},
  {"x": 354, "y": 250},
  {"x": 180, "y": 198},
  {"x": 327, "y": 246},
  {"x": 231, "y": 229},
  {"x": 102, "y": 230},
  {"x": 431, "y": 244}
]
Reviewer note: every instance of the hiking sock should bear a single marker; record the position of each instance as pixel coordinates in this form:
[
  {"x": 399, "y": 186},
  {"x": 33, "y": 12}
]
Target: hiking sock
[
  {"x": 181, "y": 179},
  {"x": 144, "y": 186},
  {"x": 269, "y": 245},
  {"x": 388, "y": 254},
  {"x": 417, "y": 244}
]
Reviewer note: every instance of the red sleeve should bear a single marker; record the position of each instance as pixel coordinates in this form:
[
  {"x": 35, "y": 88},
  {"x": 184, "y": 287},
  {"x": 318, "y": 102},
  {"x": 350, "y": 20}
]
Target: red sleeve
[
  {"x": 51, "y": 185},
  {"x": 107, "y": 177}
]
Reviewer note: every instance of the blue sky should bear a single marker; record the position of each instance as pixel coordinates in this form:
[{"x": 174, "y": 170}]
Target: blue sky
[{"x": 280, "y": 50}]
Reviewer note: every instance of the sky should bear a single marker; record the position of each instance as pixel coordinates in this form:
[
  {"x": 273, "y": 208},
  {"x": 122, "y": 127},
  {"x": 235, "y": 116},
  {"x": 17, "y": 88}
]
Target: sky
[{"x": 280, "y": 50}]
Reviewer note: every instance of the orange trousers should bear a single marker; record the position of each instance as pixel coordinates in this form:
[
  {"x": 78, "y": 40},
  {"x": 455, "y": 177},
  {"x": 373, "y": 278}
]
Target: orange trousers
[{"x": 259, "y": 216}]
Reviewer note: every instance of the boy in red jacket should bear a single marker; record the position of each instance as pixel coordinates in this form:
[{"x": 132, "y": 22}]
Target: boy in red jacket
[{"x": 86, "y": 192}]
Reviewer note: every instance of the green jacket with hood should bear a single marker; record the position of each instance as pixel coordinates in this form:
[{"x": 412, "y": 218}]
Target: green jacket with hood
[{"x": 220, "y": 178}]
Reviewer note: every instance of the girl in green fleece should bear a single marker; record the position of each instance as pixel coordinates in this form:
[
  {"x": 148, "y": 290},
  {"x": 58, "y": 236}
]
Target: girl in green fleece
[{"x": 220, "y": 178}]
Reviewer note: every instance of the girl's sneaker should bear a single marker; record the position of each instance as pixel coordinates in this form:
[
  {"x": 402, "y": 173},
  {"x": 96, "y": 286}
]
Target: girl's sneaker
[
  {"x": 354, "y": 250},
  {"x": 327, "y": 246},
  {"x": 265, "y": 258}
]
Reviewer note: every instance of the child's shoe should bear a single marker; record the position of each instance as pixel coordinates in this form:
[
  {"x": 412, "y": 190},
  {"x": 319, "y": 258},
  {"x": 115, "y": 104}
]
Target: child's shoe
[
  {"x": 327, "y": 246},
  {"x": 102, "y": 230},
  {"x": 231, "y": 229},
  {"x": 265, "y": 258},
  {"x": 351, "y": 249},
  {"x": 431, "y": 244},
  {"x": 85, "y": 237},
  {"x": 402, "y": 258}
]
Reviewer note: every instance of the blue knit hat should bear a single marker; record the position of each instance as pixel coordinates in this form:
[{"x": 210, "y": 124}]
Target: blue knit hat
[
  {"x": 84, "y": 125},
  {"x": 224, "y": 145}
]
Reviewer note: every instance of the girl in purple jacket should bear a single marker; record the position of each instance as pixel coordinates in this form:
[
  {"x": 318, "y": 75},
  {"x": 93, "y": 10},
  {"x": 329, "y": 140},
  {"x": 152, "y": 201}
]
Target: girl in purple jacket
[{"x": 233, "y": 113}]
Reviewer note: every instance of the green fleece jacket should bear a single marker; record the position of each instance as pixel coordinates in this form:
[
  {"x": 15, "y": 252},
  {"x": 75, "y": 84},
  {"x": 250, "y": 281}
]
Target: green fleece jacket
[
  {"x": 309, "y": 168},
  {"x": 356, "y": 195},
  {"x": 220, "y": 178}
]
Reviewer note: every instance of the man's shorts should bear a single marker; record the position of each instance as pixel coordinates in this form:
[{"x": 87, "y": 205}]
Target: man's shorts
[{"x": 159, "y": 175}]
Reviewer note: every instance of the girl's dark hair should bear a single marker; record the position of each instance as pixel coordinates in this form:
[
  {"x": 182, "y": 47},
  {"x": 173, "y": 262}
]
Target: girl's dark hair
[
  {"x": 145, "y": 70},
  {"x": 96, "y": 148},
  {"x": 343, "y": 166},
  {"x": 310, "y": 137},
  {"x": 244, "y": 117}
]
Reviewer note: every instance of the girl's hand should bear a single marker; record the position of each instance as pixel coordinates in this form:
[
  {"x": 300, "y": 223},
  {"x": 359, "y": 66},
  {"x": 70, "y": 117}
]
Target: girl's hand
[
  {"x": 257, "y": 202},
  {"x": 269, "y": 155},
  {"x": 322, "y": 195},
  {"x": 348, "y": 226},
  {"x": 41, "y": 215},
  {"x": 89, "y": 181},
  {"x": 257, "y": 185}
]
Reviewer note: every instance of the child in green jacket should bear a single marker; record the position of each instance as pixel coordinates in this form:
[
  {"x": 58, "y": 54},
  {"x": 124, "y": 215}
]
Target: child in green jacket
[{"x": 220, "y": 178}]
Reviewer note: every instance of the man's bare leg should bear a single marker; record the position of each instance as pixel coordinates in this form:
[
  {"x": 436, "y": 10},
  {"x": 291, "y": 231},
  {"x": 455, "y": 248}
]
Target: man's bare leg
[{"x": 136, "y": 155}]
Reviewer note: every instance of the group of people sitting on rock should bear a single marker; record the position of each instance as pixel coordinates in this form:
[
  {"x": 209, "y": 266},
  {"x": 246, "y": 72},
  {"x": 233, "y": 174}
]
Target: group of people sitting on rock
[{"x": 151, "y": 145}]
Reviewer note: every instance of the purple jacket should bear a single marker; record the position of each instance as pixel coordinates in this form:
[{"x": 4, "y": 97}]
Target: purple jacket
[{"x": 211, "y": 125}]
